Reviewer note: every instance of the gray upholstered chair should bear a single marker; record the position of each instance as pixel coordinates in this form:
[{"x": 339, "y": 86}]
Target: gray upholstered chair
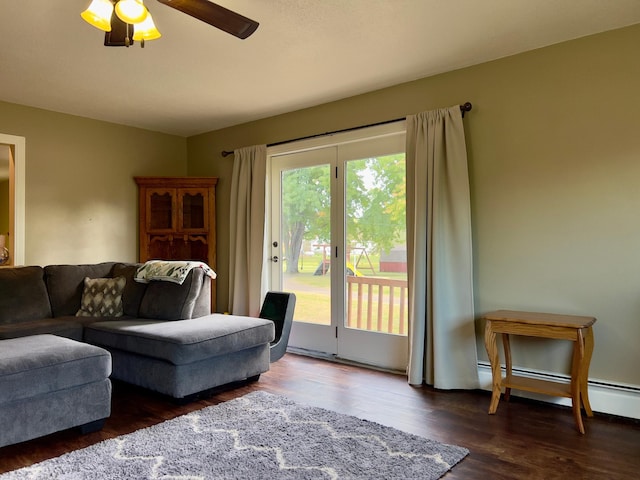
[{"x": 278, "y": 307}]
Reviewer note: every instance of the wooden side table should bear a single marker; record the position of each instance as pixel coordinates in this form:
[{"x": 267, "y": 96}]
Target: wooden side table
[{"x": 577, "y": 329}]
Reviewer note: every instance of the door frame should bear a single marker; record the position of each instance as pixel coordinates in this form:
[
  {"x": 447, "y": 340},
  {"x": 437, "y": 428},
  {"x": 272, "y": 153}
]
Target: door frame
[
  {"x": 17, "y": 169},
  {"x": 322, "y": 142}
]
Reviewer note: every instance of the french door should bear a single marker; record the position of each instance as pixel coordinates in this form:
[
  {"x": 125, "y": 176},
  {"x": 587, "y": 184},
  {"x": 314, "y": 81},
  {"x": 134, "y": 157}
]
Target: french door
[{"x": 337, "y": 240}]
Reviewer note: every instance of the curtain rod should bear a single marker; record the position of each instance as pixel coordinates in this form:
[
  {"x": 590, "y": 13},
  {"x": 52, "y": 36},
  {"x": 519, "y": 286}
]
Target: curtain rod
[{"x": 465, "y": 107}]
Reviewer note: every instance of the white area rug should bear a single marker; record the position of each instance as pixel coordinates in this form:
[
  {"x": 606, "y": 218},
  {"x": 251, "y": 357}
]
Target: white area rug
[{"x": 258, "y": 436}]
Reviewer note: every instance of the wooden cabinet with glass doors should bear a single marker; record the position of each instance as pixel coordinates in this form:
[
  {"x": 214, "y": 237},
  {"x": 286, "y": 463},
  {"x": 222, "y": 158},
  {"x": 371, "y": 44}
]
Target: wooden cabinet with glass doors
[{"x": 177, "y": 220}]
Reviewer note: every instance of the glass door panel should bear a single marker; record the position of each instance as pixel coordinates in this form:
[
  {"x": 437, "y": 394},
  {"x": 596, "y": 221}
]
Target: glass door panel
[
  {"x": 305, "y": 235},
  {"x": 161, "y": 208},
  {"x": 193, "y": 214},
  {"x": 376, "y": 271}
]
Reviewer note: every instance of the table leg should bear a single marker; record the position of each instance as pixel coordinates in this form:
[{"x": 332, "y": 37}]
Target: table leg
[
  {"x": 584, "y": 371},
  {"x": 576, "y": 379},
  {"x": 494, "y": 359},
  {"x": 507, "y": 361}
]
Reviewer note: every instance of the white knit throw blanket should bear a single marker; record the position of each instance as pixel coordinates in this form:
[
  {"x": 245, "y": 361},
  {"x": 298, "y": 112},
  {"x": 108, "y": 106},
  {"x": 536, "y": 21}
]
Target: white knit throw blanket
[{"x": 170, "y": 271}]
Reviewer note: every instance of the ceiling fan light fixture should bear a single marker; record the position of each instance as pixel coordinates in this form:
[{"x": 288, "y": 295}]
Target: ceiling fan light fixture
[
  {"x": 98, "y": 14},
  {"x": 124, "y": 21},
  {"x": 146, "y": 30},
  {"x": 131, "y": 11}
]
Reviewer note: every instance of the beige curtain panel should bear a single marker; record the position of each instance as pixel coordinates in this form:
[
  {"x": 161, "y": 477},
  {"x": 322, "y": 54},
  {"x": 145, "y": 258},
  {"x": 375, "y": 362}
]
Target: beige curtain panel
[
  {"x": 246, "y": 230},
  {"x": 442, "y": 344}
]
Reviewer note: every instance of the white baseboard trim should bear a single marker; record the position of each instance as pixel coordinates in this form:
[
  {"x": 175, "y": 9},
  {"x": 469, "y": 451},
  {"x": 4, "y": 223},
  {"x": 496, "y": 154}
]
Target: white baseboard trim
[{"x": 604, "y": 397}]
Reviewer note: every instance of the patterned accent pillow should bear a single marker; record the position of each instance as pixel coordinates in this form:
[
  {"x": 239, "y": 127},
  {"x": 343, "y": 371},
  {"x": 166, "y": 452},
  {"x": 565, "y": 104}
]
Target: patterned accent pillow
[{"x": 102, "y": 297}]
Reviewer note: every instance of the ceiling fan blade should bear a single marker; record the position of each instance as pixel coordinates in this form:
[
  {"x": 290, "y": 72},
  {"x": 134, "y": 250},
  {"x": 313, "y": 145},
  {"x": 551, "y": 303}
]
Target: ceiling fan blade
[{"x": 213, "y": 14}]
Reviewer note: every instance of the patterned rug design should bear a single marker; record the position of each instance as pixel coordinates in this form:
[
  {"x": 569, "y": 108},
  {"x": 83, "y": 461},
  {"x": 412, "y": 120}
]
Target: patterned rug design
[{"x": 257, "y": 436}]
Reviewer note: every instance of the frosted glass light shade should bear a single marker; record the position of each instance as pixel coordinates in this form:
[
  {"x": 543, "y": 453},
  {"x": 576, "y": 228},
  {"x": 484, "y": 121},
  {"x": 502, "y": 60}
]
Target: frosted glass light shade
[
  {"x": 131, "y": 11},
  {"x": 99, "y": 14},
  {"x": 146, "y": 30}
]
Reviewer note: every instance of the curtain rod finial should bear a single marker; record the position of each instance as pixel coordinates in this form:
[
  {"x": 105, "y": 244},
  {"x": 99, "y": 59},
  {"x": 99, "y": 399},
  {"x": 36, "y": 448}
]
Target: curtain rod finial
[
  {"x": 225, "y": 153},
  {"x": 465, "y": 107}
]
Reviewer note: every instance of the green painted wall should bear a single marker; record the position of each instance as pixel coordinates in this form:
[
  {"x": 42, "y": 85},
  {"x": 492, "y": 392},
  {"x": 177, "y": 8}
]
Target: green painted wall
[
  {"x": 81, "y": 200},
  {"x": 554, "y": 163}
]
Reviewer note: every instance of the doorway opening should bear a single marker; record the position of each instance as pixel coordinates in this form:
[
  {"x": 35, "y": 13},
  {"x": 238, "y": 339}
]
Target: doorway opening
[
  {"x": 337, "y": 213},
  {"x": 12, "y": 199}
]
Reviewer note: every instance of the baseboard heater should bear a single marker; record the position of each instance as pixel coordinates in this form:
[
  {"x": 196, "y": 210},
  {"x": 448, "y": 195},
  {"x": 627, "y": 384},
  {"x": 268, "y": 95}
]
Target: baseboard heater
[{"x": 605, "y": 397}]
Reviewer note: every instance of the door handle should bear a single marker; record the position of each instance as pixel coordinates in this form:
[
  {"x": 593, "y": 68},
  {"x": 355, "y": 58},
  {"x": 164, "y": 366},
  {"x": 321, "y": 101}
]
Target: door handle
[{"x": 274, "y": 259}]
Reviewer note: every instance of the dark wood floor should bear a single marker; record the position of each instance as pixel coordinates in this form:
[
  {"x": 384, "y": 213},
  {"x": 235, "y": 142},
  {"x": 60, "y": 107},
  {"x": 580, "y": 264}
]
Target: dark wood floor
[{"x": 524, "y": 440}]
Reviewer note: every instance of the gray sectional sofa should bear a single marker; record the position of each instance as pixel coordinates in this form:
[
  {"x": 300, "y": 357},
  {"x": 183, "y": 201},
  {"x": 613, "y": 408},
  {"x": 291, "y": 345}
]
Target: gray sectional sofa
[{"x": 164, "y": 338}]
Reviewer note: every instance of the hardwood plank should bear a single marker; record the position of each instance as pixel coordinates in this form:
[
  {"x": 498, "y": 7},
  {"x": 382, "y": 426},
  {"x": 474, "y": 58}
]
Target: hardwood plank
[{"x": 524, "y": 439}]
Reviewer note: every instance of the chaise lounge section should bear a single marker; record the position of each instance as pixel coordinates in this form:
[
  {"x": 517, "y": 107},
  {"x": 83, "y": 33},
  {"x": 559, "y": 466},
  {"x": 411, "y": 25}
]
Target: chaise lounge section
[{"x": 185, "y": 357}]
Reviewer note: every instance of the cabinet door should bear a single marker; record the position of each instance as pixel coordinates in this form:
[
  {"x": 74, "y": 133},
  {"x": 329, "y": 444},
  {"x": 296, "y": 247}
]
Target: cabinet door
[
  {"x": 193, "y": 210},
  {"x": 161, "y": 210}
]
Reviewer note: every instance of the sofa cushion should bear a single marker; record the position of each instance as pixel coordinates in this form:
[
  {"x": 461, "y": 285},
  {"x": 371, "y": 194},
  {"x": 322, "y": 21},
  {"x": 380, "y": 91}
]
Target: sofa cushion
[
  {"x": 133, "y": 291},
  {"x": 182, "y": 342},
  {"x": 102, "y": 297},
  {"x": 23, "y": 295},
  {"x": 65, "y": 284},
  {"x": 170, "y": 301},
  {"x": 61, "y": 326},
  {"x": 40, "y": 364}
]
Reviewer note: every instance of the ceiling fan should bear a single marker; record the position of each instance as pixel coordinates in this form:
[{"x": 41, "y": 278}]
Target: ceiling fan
[
  {"x": 216, "y": 15},
  {"x": 127, "y": 20}
]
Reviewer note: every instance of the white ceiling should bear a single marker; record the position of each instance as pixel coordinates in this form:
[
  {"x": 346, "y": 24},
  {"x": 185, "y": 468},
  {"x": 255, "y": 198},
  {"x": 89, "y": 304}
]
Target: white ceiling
[{"x": 197, "y": 78}]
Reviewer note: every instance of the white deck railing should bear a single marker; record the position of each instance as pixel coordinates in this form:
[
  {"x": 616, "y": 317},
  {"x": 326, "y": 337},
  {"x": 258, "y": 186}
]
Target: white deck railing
[{"x": 377, "y": 304}]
